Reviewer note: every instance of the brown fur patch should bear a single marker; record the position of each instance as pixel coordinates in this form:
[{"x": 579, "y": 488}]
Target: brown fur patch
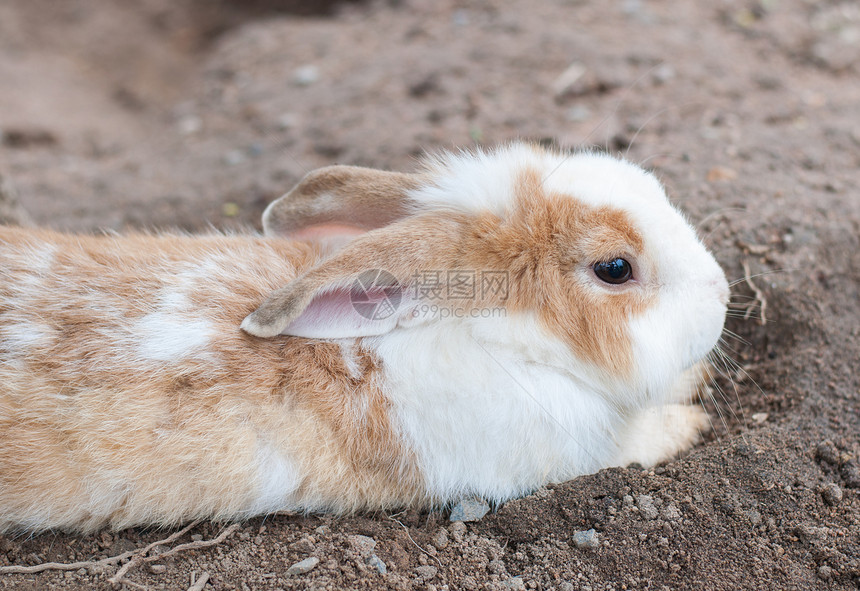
[{"x": 542, "y": 242}]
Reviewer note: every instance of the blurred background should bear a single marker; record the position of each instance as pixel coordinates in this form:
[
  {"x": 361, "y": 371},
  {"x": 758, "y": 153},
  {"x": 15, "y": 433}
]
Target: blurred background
[{"x": 186, "y": 113}]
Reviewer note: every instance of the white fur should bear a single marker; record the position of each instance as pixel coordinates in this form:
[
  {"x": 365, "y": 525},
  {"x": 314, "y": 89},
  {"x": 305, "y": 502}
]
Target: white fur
[
  {"x": 17, "y": 338},
  {"x": 277, "y": 479},
  {"x": 490, "y": 419},
  {"x": 165, "y": 337}
]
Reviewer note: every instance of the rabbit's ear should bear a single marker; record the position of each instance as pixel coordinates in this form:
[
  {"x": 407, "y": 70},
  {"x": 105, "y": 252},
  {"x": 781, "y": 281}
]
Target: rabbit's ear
[
  {"x": 340, "y": 201},
  {"x": 364, "y": 289}
]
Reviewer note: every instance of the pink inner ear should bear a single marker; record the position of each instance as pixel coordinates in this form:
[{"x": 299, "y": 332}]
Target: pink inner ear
[
  {"x": 346, "y": 312},
  {"x": 326, "y": 231}
]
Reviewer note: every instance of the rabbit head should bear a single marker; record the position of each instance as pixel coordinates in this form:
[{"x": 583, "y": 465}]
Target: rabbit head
[{"x": 603, "y": 277}]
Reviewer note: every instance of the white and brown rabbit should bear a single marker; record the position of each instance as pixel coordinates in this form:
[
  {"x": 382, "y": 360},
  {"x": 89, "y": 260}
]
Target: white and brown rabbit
[{"x": 500, "y": 320}]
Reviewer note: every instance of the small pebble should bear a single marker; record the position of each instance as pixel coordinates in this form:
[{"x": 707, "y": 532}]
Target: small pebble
[
  {"x": 469, "y": 510},
  {"x": 670, "y": 512},
  {"x": 426, "y": 573},
  {"x": 515, "y": 583},
  {"x": 825, "y": 572},
  {"x": 376, "y": 562},
  {"x": 305, "y": 566},
  {"x": 362, "y": 544},
  {"x": 832, "y": 494},
  {"x": 827, "y": 451},
  {"x": 663, "y": 74},
  {"x": 234, "y": 157},
  {"x": 287, "y": 121},
  {"x": 157, "y": 568},
  {"x": 586, "y": 539},
  {"x": 306, "y": 75},
  {"x": 646, "y": 506},
  {"x": 303, "y": 546},
  {"x": 440, "y": 540},
  {"x": 189, "y": 124},
  {"x": 851, "y": 474}
]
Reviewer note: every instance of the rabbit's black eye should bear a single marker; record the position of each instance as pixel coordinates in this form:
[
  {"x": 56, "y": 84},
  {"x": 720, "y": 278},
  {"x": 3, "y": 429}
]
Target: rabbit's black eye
[{"x": 615, "y": 271}]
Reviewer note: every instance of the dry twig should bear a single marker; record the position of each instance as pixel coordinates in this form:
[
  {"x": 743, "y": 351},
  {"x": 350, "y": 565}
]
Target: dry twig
[
  {"x": 37, "y": 568},
  {"x": 141, "y": 558},
  {"x": 199, "y": 583},
  {"x": 759, "y": 297}
]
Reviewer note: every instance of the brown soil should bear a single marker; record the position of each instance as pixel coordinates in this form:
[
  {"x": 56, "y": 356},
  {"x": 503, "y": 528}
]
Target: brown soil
[{"x": 152, "y": 113}]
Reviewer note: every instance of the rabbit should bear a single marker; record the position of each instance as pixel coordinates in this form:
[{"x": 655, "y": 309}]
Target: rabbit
[{"x": 499, "y": 320}]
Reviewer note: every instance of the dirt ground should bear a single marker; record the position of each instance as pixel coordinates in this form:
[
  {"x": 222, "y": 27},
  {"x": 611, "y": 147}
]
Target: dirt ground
[{"x": 191, "y": 113}]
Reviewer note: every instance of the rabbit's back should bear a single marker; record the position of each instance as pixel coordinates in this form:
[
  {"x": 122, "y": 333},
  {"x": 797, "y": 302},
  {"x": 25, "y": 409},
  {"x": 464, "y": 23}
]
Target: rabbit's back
[{"x": 129, "y": 395}]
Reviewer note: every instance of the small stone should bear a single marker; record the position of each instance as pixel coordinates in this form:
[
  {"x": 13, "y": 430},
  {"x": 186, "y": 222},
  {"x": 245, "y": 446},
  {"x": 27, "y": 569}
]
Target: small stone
[
  {"x": 578, "y": 113},
  {"x": 851, "y": 474},
  {"x": 586, "y": 539},
  {"x": 362, "y": 544},
  {"x": 670, "y": 512},
  {"x": 469, "y": 510},
  {"x": 234, "y": 157},
  {"x": 827, "y": 452},
  {"x": 157, "y": 569},
  {"x": 303, "y": 546},
  {"x": 440, "y": 540},
  {"x": 646, "y": 507},
  {"x": 515, "y": 583},
  {"x": 832, "y": 494},
  {"x": 189, "y": 125},
  {"x": 303, "y": 567},
  {"x": 306, "y": 75},
  {"x": 567, "y": 79},
  {"x": 825, "y": 573},
  {"x": 287, "y": 121},
  {"x": 759, "y": 417},
  {"x": 376, "y": 562},
  {"x": 196, "y": 538},
  {"x": 458, "y": 530},
  {"x": 426, "y": 573},
  {"x": 627, "y": 502},
  {"x": 663, "y": 74}
]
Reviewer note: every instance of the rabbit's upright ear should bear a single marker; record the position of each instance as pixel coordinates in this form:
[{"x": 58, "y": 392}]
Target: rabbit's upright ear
[
  {"x": 364, "y": 289},
  {"x": 340, "y": 201}
]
